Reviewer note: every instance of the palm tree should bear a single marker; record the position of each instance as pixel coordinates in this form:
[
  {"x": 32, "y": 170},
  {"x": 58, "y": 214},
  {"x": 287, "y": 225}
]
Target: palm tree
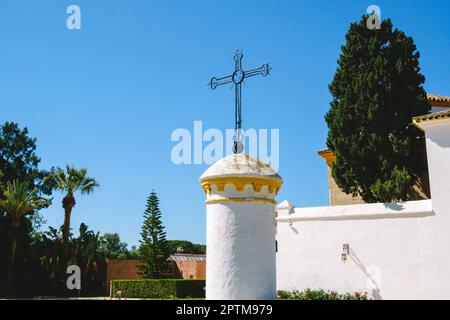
[
  {"x": 18, "y": 201},
  {"x": 70, "y": 181}
]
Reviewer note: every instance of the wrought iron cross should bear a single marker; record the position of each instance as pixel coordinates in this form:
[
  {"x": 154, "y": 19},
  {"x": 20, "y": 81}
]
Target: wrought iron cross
[{"x": 237, "y": 78}]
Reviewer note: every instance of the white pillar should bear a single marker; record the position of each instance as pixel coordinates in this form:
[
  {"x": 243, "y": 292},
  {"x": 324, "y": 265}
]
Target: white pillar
[{"x": 240, "y": 239}]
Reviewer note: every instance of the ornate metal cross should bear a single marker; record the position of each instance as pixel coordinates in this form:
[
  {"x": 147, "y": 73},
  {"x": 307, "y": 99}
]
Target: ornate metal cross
[{"x": 237, "y": 78}]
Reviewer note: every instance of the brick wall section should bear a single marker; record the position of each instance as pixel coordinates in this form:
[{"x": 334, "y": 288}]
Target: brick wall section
[
  {"x": 121, "y": 269},
  {"x": 129, "y": 269},
  {"x": 188, "y": 269}
]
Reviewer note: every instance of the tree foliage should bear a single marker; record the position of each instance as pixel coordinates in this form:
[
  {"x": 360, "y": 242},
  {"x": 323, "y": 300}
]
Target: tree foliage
[
  {"x": 18, "y": 162},
  {"x": 113, "y": 248},
  {"x": 41, "y": 258},
  {"x": 377, "y": 89},
  {"x": 49, "y": 267},
  {"x": 186, "y": 247},
  {"x": 18, "y": 201},
  {"x": 18, "y": 158},
  {"x": 154, "y": 248},
  {"x": 70, "y": 180}
]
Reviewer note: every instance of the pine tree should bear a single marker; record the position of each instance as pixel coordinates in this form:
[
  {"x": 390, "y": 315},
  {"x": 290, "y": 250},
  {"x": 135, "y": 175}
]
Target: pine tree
[
  {"x": 154, "y": 248},
  {"x": 377, "y": 89}
]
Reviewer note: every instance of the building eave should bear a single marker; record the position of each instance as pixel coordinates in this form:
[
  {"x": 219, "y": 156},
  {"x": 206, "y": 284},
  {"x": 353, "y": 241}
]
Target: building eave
[
  {"x": 328, "y": 155},
  {"x": 432, "y": 118},
  {"x": 438, "y": 101}
]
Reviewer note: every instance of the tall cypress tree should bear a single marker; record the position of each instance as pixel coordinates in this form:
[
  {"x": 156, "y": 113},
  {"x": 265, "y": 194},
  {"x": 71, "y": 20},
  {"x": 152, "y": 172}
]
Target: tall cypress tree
[
  {"x": 154, "y": 248},
  {"x": 377, "y": 89}
]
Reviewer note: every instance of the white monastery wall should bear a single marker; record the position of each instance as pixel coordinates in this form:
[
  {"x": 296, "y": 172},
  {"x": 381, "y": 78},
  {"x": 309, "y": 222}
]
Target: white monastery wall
[{"x": 396, "y": 250}]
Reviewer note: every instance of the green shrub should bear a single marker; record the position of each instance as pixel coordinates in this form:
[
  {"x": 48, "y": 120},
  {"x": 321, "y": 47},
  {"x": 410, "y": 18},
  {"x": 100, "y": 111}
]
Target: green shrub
[
  {"x": 320, "y": 294},
  {"x": 158, "y": 288}
]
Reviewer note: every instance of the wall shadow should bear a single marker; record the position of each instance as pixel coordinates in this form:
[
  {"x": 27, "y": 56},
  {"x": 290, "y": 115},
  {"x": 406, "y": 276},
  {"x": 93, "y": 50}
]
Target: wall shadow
[{"x": 375, "y": 291}]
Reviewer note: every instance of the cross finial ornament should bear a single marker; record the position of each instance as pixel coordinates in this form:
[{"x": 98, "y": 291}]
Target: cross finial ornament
[{"x": 237, "y": 78}]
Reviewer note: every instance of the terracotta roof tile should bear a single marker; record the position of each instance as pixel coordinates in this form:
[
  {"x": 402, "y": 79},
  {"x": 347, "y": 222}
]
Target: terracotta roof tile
[
  {"x": 438, "y": 101},
  {"x": 324, "y": 152},
  {"x": 433, "y": 116},
  {"x": 328, "y": 155}
]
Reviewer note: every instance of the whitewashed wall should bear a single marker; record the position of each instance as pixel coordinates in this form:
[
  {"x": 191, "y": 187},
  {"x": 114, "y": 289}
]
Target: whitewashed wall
[
  {"x": 397, "y": 251},
  {"x": 240, "y": 250}
]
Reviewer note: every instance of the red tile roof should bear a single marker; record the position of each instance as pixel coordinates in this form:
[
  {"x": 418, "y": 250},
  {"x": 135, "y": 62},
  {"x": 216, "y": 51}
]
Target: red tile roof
[{"x": 438, "y": 101}]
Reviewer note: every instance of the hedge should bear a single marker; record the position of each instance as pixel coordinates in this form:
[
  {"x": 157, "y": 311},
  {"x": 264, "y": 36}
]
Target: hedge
[{"x": 158, "y": 288}]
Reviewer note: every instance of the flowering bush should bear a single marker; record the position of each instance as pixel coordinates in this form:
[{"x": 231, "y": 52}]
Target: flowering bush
[{"x": 320, "y": 294}]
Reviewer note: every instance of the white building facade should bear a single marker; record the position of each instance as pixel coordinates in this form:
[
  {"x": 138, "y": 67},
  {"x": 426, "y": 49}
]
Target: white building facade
[{"x": 390, "y": 251}]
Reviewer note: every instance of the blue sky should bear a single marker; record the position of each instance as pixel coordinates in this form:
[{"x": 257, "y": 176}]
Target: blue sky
[{"x": 108, "y": 96}]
